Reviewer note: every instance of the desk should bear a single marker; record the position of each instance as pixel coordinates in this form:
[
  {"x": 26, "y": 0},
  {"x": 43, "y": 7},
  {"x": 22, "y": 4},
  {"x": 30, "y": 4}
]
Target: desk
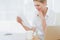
[
  {"x": 21, "y": 36},
  {"x": 11, "y": 36}
]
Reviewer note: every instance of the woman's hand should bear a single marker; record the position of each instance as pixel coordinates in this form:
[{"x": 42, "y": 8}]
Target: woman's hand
[
  {"x": 19, "y": 20},
  {"x": 43, "y": 20},
  {"x": 41, "y": 15}
]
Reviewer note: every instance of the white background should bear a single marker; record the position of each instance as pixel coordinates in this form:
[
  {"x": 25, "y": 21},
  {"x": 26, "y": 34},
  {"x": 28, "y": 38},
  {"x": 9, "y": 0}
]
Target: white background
[{"x": 9, "y": 9}]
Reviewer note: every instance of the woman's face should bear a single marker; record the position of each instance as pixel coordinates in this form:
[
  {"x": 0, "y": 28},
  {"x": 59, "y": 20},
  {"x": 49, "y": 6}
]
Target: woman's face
[{"x": 39, "y": 6}]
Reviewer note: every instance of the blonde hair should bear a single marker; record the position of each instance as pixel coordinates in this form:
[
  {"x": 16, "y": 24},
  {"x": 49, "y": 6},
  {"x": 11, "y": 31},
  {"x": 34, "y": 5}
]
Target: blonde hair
[{"x": 40, "y": 0}]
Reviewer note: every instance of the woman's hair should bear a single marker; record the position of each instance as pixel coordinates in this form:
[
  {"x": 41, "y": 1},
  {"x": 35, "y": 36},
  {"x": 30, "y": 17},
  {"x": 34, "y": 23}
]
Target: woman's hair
[{"x": 40, "y": 0}]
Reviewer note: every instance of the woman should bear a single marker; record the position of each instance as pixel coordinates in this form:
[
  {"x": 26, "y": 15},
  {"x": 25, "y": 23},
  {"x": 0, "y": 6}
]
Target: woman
[{"x": 42, "y": 19}]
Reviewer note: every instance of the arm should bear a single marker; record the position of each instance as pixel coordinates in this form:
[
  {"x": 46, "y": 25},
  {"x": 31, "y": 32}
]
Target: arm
[
  {"x": 19, "y": 20},
  {"x": 44, "y": 24},
  {"x": 43, "y": 21},
  {"x": 27, "y": 28}
]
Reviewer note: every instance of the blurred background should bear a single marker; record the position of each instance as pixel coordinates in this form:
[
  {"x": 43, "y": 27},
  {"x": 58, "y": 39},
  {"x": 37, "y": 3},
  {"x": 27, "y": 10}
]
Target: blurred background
[{"x": 9, "y": 9}]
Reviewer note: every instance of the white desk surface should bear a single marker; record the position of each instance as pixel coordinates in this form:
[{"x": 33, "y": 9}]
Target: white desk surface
[{"x": 5, "y": 36}]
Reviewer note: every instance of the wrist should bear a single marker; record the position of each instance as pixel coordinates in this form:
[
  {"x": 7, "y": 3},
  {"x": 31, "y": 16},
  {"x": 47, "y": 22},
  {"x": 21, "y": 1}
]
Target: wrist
[{"x": 22, "y": 24}]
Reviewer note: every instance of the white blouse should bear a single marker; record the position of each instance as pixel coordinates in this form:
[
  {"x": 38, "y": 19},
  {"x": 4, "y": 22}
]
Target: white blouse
[
  {"x": 30, "y": 18},
  {"x": 50, "y": 21}
]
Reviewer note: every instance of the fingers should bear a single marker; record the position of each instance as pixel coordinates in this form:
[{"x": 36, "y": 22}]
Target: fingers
[{"x": 19, "y": 20}]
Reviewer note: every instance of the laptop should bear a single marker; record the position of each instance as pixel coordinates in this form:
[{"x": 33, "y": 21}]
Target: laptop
[{"x": 52, "y": 33}]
